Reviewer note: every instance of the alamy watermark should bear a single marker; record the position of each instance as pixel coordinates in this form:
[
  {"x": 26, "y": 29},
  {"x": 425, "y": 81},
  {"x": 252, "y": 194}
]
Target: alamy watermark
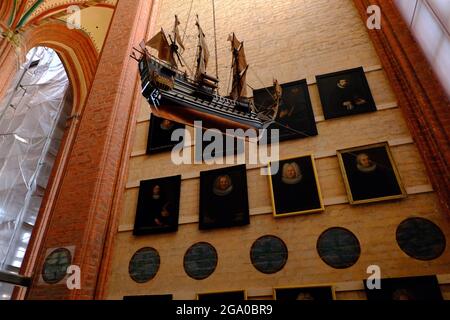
[
  {"x": 260, "y": 152},
  {"x": 74, "y": 18},
  {"x": 374, "y": 20}
]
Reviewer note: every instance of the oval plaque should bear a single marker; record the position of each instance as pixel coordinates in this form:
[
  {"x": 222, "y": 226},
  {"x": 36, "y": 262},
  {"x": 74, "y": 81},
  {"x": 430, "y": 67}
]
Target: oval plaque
[
  {"x": 144, "y": 265},
  {"x": 200, "y": 260},
  {"x": 269, "y": 254},
  {"x": 55, "y": 265},
  {"x": 420, "y": 239},
  {"x": 338, "y": 247}
]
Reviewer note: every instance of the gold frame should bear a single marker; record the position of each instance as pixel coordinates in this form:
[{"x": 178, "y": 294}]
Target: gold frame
[
  {"x": 319, "y": 191},
  {"x": 313, "y": 286},
  {"x": 394, "y": 168},
  {"x": 218, "y": 292}
]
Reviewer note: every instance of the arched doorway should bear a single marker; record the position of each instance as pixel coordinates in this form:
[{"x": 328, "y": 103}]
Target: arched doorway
[{"x": 33, "y": 118}]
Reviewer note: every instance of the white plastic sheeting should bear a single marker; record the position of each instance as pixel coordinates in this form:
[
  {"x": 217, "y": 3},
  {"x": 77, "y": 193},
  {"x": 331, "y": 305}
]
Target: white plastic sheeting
[{"x": 32, "y": 123}]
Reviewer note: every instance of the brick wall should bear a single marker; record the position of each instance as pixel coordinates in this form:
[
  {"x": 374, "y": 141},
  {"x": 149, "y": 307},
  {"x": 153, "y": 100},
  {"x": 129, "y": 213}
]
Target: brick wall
[{"x": 289, "y": 40}]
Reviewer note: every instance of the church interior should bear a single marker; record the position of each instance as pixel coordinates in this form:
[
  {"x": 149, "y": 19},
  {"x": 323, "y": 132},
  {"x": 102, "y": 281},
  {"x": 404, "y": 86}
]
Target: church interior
[{"x": 99, "y": 201}]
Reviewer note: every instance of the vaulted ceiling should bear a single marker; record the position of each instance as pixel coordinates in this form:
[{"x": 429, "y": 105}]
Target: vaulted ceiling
[{"x": 18, "y": 15}]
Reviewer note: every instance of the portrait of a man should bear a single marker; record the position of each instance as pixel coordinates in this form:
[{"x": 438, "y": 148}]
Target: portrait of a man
[
  {"x": 295, "y": 187},
  {"x": 409, "y": 288},
  {"x": 319, "y": 293},
  {"x": 158, "y": 206},
  {"x": 160, "y": 134},
  {"x": 223, "y": 198},
  {"x": 295, "y": 117},
  {"x": 345, "y": 93},
  {"x": 370, "y": 174}
]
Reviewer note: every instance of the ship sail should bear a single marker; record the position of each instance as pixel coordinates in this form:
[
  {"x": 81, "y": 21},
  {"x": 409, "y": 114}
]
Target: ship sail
[
  {"x": 176, "y": 33},
  {"x": 202, "y": 54},
  {"x": 160, "y": 43},
  {"x": 239, "y": 67}
]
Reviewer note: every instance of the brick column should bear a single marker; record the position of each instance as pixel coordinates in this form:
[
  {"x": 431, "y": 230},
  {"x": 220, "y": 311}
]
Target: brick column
[
  {"x": 9, "y": 64},
  {"x": 83, "y": 206},
  {"x": 421, "y": 97}
]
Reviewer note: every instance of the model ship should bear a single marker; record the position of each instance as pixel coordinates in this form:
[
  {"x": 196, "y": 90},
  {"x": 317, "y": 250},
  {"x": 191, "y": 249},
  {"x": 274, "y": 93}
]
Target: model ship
[{"x": 175, "y": 95}]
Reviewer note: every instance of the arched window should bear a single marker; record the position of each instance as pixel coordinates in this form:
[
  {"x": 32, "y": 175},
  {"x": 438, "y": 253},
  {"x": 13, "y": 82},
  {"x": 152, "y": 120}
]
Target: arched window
[
  {"x": 33, "y": 117},
  {"x": 429, "y": 21}
]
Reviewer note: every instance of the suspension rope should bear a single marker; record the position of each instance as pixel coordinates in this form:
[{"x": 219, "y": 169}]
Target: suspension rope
[
  {"x": 215, "y": 37},
  {"x": 187, "y": 21}
]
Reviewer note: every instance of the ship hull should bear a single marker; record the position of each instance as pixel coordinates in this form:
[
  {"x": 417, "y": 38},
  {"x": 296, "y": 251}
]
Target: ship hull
[{"x": 171, "y": 95}]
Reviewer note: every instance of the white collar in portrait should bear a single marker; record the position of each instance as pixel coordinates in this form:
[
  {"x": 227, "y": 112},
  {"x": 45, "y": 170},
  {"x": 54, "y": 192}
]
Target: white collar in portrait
[
  {"x": 366, "y": 169},
  {"x": 292, "y": 180},
  {"x": 222, "y": 193}
]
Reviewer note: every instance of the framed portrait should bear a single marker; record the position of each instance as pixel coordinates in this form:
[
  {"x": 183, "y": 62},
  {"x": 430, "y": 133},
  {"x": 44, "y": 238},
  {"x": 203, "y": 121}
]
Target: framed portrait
[
  {"x": 160, "y": 134},
  {"x": 370, "y": 174},
  {"x": 311, "y": 293},
  {"x": 295, "y": 187},
  {"x": 345, "y": 93},
  {"x": 410, "y": 288},
  {"x": 224, "y": 198},
  {"x": 238, "y": 295},
  {"x": 158, "y": 206},
  {"x": 295, "y": 116}
]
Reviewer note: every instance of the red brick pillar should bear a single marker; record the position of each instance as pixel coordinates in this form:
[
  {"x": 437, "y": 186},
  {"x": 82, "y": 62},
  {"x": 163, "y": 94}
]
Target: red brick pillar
[
  {"x": 420, "y": 95},
  {"x": 81, "y": 217},
  {"x": 9, "y": 64}
]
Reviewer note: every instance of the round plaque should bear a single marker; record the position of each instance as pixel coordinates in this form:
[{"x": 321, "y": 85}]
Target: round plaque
[
  {"x": 339, "y": 248},
  {"x": 269, "y": 254},
  {"x": 200, "y": 260},
  {"x": 421, "y": 239},
  {"x": 55, "y": 265},
  {"x": 144, "y": 265}
]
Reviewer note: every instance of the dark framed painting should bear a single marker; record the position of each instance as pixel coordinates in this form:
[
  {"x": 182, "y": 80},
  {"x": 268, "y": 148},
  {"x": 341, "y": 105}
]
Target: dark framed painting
[
  {"x": 311, "y": 293},
  {"x": 158, "y": 206},
  {"x": 160, "y": 134},
  {"x": 295, "y": 187},
  {"x": 220, "y": 296},
  {"x": 345, "y": 93},
  {"x": 224, "y": 198},
  {"x": 370, "y": 174},
  {"x": 295, "y": 117},
  {"x": 410, "y": 288}
]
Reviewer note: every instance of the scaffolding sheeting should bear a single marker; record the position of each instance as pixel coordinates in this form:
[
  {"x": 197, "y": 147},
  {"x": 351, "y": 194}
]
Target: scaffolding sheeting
[{"x": 32, "y": 123}]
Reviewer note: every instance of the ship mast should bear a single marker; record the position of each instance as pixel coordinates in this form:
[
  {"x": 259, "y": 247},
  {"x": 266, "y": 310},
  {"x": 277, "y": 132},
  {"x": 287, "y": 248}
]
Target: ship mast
[
  {"x": 202, "y": 61},
  {"x": 239, "y": 68}
]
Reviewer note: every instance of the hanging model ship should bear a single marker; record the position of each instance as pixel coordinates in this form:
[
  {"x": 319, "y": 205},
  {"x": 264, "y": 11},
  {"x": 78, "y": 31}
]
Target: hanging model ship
[{"x": 177, "y": 96}]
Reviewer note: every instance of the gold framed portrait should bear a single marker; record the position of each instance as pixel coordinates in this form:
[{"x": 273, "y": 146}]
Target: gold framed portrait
[
  {"x": 295, "y": 188},
  {"x": 370, "y": 174},
  {"x": 323, "y": 292}
]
